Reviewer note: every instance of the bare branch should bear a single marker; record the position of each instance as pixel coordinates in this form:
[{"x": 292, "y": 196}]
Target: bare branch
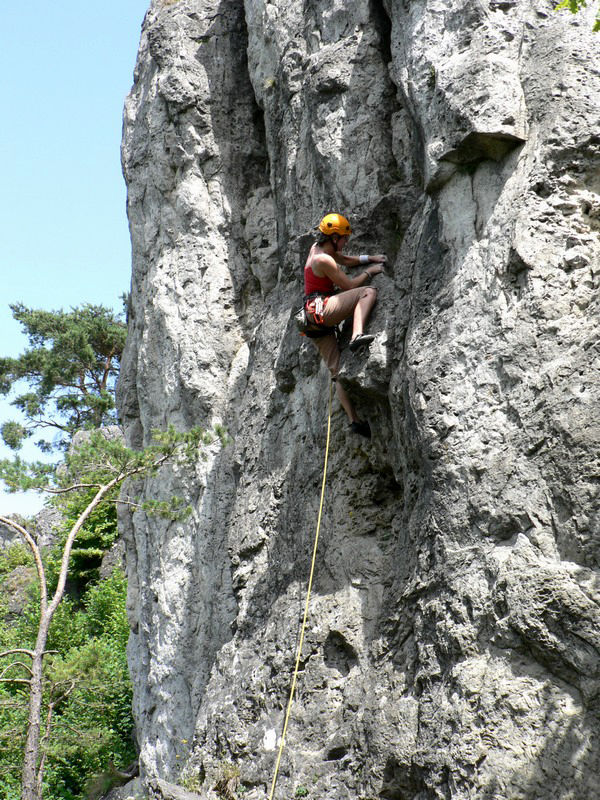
[
  {"x": 74, "y": 488},
  {"x": 16, "y": 664},
  {"x": 62, "y": 576},
  {"x": 46, "y": 423},
  {"x": 37, "y": 556},
  {"x": 71, "y": 685},
  {"x": 145, "y": 467},
  {"x": 82, "y": 387},
  {"x": 15, "y": 680},
  {"x": 9, "y": 704},
  {"x": 16, "y": 651},
  {"x": 107, "y": 369},
  {"x": 76, "y": 731},
  {"x": 127, "y": 503}
]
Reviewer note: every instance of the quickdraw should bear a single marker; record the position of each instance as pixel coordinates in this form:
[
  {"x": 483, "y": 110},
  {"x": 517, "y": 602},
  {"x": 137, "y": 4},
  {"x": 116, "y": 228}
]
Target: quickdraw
[
  {"x": 309, "y": 319},
  {"x": 316, "y": 307}
]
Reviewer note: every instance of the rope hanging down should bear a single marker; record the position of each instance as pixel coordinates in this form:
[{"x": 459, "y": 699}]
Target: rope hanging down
[{"x": 308, "y": 591}]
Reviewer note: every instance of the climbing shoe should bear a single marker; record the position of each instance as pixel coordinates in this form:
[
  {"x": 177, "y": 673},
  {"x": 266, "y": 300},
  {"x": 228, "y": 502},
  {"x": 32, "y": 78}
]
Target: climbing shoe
[
  {"x": 360, "y": 340},
  {"x": 362, "y": 428}
]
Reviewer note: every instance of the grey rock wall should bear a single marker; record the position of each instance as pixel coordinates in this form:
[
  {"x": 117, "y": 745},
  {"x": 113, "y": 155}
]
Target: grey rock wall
[{"x": 453, "y": 648}]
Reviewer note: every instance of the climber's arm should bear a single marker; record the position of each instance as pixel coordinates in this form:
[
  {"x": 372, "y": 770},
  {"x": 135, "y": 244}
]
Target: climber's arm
[
  {"x": 357, "y": 261},
  {"x": 326, "y": 265}
]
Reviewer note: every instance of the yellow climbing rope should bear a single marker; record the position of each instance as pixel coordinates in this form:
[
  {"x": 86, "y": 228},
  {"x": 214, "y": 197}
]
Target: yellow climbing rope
[{"x": 303, "y": 628}]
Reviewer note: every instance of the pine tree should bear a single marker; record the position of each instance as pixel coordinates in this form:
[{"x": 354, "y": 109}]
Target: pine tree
[{"x": 68, "y": 373}]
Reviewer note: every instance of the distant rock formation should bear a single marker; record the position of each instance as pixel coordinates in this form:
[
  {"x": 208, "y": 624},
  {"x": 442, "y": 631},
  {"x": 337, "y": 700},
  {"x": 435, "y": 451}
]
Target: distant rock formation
[
  {"x": 453, "y": 648},
  {"x": 42, "y": 527}
]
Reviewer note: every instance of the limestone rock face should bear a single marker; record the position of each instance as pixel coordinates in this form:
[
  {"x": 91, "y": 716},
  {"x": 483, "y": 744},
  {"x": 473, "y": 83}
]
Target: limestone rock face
[{"x": 453, "y": 645}]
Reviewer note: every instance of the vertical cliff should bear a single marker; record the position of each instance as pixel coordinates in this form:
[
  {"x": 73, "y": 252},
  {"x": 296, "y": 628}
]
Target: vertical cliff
[{"x": 453, "y": 649}]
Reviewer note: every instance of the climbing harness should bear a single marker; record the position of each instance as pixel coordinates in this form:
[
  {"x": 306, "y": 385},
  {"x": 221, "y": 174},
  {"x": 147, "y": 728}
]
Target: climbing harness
[
  {"x": 308, "y": 591},
  {"x": 314, "y": 304}
]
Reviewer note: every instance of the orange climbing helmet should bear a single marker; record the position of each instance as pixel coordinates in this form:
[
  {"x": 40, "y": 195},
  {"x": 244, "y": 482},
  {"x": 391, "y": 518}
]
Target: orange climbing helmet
[{"x": 335, "y": 223}]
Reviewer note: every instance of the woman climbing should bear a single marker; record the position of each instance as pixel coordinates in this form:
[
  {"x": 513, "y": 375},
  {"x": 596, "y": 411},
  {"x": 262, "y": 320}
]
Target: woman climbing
[{"x": 327, "y": 306}]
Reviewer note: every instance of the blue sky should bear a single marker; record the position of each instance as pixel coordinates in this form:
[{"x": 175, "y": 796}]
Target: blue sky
[{"x": 66, "y": 70}]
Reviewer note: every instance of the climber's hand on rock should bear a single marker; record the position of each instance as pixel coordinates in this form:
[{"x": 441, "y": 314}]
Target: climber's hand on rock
[
  {"x": 375, "y": 269},
  {"x": 379, "y": 258}
]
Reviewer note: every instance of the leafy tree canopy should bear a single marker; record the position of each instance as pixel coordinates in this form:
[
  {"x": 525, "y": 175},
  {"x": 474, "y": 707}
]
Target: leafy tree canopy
[
  {"x": 577, "y": 5},
  {"x": 69, "y": 369}
]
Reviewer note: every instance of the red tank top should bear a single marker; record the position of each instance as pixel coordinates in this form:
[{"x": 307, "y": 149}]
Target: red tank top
[{"x": 315, "y": 283}]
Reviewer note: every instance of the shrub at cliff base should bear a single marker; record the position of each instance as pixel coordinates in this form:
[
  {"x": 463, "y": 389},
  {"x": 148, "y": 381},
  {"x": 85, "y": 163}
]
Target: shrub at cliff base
[{"x": 87, "y": 686}]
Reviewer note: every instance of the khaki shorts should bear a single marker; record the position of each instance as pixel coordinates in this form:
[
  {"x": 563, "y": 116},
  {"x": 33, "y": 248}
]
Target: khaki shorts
[{"x": 338, "y": 308}]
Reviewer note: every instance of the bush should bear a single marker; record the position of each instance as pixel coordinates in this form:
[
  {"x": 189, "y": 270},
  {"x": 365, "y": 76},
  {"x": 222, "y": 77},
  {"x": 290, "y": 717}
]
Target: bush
[
  {"x": 87, "y": 680},
  {"x": 14, "y": 555}
]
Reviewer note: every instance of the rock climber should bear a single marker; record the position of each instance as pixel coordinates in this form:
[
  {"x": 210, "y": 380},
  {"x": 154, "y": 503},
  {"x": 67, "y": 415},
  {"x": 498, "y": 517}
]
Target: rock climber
[{"x": 331, "y": 296}]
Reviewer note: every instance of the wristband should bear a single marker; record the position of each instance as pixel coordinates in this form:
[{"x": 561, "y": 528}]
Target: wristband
[{"x": 364, "y": 259}]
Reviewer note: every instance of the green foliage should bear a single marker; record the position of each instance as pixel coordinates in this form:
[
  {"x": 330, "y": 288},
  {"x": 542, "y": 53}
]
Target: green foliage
[
  {"x": 68, "y": 628},
  {"x": 175, "y": 508},
  {"x": 105, "y": 610},
  {"x": 94, "y": 539},
  {"x": 574, "y": 6},
  {"x": 228, "y": 781},
  {"x": 94, "y": 726},
  {"x": 223, "y": 436},
  {"x": 192, "y": 782},
  {"x": 13, "y": 434},
  {"x": 88, "y": 682},
  {"x": 13, "y": 718},
  {"x": 70, "y": 369},
  {"x": 99, "y": 459},
  {"x": 85, "y": 681},
  {"x": 16, "y": 554},
  {"x": 21, "y": 476}
]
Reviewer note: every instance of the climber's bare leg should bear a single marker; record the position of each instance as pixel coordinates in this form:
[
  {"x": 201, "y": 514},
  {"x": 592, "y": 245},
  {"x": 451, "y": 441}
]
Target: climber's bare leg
[
  {"x": 363, "y": 310},
  {"x": 346, "y": 402}
]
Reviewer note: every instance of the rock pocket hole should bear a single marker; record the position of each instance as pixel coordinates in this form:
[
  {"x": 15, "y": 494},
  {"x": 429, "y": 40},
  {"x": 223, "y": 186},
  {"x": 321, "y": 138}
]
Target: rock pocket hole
[
  {"x": 336, "y": 753},
  {"x": 383, "y": 26},
  {"x": 400, "y": 783},
  {"x": 339, "y": 654}
]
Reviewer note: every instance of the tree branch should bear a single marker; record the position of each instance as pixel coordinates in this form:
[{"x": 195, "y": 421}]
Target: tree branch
[
  {"x": 8, "y": 768},
  {"x": 16, "y": 651},
  {"x": 9, "y": 704},
  {"x": 74, "y": 488},
  {"x": 127, "y": 503},
  {"x": 82, "y": 386},
  {"x": 43, "y": 423},
  {"x": 36, "y": 555},
  {"x": 64, "y": 567},
  {"x": 96, "y": 500},
  {"x": 15, "y": 664},
  {"x": 107, "y": 369}
]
